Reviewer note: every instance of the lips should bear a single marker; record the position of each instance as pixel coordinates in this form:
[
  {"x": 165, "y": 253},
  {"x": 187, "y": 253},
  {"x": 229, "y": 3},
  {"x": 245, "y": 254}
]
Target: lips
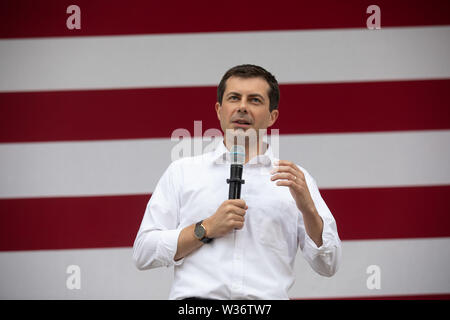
[{"x": 242, "y": 122}]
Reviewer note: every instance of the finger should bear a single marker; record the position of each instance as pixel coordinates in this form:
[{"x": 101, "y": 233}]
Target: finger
[
  {"x": 287, "y": 164},
  {"x": 238, "y": 211},
  {"x": 237, "y": 217},
  {"x": 284, "y": 169},
  {"x": 286, "y": 183},
  {"x": 284, "y": 163},
  {"x": 238, "y": 225},
  {"x": 293, "y": 168},
  {"x": 239, "y": 203},
  {"x": 288, "y": 176}
]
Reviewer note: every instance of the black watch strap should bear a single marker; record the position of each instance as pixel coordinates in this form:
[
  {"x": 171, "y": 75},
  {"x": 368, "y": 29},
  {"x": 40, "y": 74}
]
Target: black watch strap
[{"x": 206, "y": 240}]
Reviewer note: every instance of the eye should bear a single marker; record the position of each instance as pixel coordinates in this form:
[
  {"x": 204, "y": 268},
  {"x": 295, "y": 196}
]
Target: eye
[
  {"x": 233, "y": 98},
  {"x": 256, "y": 100}
]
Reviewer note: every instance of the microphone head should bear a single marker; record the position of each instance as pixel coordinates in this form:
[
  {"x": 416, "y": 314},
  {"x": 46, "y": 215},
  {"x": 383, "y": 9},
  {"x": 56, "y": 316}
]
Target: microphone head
[{"x": 237, "y": 154}]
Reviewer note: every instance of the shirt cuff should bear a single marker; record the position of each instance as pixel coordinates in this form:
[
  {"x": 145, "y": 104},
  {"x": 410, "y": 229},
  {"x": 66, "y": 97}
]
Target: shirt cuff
[
  {"x": 327, "y": 248},
  {"x": 167, "y": 247}
]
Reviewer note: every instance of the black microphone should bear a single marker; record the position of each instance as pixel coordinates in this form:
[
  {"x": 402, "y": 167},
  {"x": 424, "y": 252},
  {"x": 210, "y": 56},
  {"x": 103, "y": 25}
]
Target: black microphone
[{"x": 237, "y": 155}]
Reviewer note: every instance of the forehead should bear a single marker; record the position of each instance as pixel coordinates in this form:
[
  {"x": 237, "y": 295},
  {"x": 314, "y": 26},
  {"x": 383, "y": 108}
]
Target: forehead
[{"x": 247, "y": 86}]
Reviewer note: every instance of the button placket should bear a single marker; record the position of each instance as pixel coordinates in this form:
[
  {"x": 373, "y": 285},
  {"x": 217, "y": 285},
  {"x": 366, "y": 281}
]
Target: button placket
[
  {"x": 238, "y": 255},
  {"x": 238, "y": 264}
]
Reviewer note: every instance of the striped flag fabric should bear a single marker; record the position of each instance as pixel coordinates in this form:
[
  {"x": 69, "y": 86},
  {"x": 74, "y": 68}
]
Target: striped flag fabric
[{"x": 87, "y": 117}]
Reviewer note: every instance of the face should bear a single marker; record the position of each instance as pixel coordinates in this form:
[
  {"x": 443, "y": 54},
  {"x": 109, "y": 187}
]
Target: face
[{"x": 245, "y": 105}]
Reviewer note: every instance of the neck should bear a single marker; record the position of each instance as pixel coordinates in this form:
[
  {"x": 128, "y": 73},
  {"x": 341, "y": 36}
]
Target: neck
[{"x": 251, "y": 151}]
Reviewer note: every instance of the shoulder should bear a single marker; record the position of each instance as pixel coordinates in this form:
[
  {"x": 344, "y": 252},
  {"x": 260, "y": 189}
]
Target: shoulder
[{"x": 187, "y": 163}]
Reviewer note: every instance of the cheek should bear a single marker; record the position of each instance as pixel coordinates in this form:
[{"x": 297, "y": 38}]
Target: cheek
[
  {"x": 225, "y": 114},
  {"x": 224, "y": 119},
  {"x": 260, "y": 119},
  {"x": 262, "y": 123}
]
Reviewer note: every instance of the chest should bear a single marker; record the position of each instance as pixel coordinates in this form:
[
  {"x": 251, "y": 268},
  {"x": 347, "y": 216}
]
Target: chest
[{"x": 204, "y": 191}]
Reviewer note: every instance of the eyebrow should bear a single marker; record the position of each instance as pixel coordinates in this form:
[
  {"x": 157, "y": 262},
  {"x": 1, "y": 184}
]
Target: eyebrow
[{"x": 250, "y": 95}]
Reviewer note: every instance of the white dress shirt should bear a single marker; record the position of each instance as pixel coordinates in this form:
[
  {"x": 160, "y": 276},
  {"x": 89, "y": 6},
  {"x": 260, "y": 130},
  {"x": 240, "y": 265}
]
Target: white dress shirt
[{"x": 256, "y": 262}]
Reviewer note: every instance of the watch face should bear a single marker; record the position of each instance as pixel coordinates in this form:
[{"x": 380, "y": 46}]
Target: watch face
[{"x": 199, "y": 231}]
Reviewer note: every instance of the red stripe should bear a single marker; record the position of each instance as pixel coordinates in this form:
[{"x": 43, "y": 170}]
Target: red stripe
[
  {"x": 26, "y": 18},
  {"x": 157, "y": 112},
  {"x": 67, "y": 223},
  {"x": 382, "y": 213},
  {"x": 113, "y": 221}
]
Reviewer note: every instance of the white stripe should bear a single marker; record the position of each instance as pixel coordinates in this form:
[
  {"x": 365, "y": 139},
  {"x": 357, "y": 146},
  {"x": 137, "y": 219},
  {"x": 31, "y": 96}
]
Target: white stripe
[
  {"x": 201, "y": 59},
  {"x": 104, "y": 274},
  {"x": 116, "y": 167},
  {"x": 408, "y": 267}
]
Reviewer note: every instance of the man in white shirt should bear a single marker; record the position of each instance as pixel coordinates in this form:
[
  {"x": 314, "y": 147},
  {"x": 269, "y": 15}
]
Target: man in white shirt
[{"x": 242, "y": 248}]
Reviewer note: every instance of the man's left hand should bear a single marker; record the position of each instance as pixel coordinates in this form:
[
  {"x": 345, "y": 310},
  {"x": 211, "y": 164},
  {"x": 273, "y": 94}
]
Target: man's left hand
[{"x": 289, "y": 175}]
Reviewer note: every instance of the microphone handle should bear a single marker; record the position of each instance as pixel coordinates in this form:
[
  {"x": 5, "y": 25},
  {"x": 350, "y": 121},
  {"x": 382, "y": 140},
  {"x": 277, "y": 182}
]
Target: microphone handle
[
  {"x": 235, "y": 190},
  {"x": 235, "y": 181}
]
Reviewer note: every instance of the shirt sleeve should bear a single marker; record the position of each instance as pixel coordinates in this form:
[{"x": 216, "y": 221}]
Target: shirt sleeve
[
  {"x": 325, "y": 260},
  {"x": 157, "y": 239}
]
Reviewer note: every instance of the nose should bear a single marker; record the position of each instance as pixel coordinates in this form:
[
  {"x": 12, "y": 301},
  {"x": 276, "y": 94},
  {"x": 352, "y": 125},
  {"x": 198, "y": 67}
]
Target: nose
[{"x": 242, "y": 108}]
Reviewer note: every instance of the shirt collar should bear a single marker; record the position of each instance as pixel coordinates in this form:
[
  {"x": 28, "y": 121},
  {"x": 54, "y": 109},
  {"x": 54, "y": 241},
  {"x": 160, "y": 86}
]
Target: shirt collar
[{"x": 221, "y": 155}]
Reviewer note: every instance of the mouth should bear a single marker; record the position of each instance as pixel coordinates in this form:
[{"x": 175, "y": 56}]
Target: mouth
[{"x": 241, "y": 123}]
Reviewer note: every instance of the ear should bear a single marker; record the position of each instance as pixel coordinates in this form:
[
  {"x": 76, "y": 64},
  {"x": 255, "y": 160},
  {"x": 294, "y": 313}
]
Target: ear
[
  {"x": 218, "y": 107},
  {"x": 273, "y": 117}
]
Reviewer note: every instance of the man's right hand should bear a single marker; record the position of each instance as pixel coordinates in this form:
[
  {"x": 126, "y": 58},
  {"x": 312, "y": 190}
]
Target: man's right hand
[{"x": 229, "y": 216}]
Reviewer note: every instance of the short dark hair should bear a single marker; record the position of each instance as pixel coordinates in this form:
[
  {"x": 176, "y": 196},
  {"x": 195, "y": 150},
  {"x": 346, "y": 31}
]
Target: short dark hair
[{"x": 252, "y": 71}]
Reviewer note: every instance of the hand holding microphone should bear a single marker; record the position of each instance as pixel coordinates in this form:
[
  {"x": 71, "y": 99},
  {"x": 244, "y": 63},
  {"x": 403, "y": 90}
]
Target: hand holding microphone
[{"x": 230, "y": 215}]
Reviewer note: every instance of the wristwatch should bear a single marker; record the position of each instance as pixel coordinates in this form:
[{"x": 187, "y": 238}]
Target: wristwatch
[{"x": 200, "y": 232}]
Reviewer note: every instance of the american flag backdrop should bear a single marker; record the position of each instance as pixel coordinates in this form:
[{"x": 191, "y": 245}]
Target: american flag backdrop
[{"x": 86, "y": 118}]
